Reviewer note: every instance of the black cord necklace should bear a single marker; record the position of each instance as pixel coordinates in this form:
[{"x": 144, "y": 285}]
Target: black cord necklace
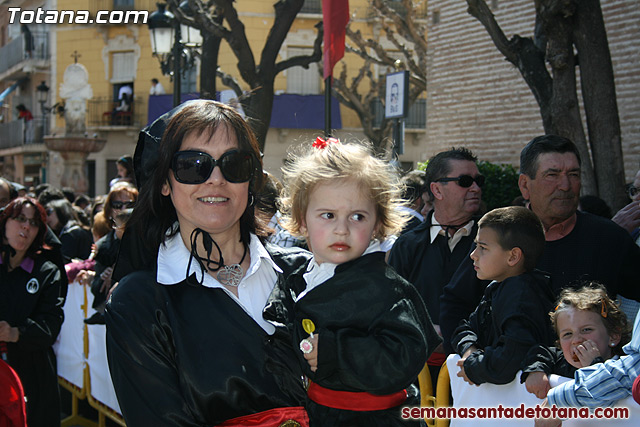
[{"x": 228, "y": 275}]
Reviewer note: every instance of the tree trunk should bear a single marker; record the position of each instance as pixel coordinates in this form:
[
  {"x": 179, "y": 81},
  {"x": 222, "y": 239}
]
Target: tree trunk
[
  {"x": 564, "y": 109},
  {"x": 209, "y": 63},
  {"x": 258, "y": 108},
  {"x": 601, "y": 108}
]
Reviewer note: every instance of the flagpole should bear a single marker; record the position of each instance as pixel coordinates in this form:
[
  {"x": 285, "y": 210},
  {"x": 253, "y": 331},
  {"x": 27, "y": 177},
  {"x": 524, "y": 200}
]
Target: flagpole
[{"x": 327, "y": 107}]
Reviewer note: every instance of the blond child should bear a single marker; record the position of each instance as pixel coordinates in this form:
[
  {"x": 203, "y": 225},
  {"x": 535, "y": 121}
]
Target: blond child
[{"x": 363, "y": 331}]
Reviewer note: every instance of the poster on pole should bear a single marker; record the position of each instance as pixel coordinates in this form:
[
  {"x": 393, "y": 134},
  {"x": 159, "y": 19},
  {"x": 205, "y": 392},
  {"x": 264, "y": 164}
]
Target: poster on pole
[{"x": 397, "y": 95}]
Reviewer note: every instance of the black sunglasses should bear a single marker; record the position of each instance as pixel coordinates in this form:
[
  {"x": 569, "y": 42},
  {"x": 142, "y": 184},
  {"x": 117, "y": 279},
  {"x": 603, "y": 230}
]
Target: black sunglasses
[
  {"x": 465, "y": 181},
  {"x": 116, "y": 204},
  {"x": 195, "y": 167}
]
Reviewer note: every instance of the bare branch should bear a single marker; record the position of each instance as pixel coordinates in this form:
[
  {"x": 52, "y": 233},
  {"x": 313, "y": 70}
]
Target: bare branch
[
  {"x": 479, "y": 10},
  {"x": 305, "y": 60}
]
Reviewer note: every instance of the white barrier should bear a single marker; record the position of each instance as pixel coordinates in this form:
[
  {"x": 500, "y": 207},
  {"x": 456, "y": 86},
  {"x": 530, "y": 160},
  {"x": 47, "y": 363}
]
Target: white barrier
[
  {"x": 101, "y": 385},
  {"x": 514, "y": 394},
  {"x": 72, "y": 345}
]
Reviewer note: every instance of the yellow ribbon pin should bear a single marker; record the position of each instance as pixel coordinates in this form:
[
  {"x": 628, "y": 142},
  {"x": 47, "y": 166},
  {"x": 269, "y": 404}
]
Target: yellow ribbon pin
[{"x": 308, "y": 326}]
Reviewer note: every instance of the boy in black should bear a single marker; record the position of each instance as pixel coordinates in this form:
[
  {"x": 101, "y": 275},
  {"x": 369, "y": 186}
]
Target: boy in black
[{"x": 512, "y": 315}]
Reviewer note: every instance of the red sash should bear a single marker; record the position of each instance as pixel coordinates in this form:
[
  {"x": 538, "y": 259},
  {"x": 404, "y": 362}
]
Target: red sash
[
  {"x": 354, "y": 401},
  {"x": 437, "y": 359},
  {"x": 294, "y": 416}
]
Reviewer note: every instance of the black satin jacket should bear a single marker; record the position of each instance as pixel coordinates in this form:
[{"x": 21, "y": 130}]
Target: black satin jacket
[
  {"x": 188, "y": 355},
  {"x": 375, "y": 334}
]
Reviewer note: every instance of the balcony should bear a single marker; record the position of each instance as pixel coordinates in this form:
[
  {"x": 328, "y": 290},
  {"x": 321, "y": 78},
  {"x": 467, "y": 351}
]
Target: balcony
[
  {"x": 312, "y": 6},
  {"x": 417, "y": 118},
  {"x": 97, "y": 5},
  {"x": 101, "y": 114},
  {"x": 20, "y": 134},
  {"x": 17, "y": 61},
  {"x": 420, "y": 9}
]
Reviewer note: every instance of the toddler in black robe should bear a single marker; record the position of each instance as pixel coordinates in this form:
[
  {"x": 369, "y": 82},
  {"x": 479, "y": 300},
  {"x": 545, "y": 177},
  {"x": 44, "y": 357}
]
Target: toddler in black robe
[{"x": 362, "y": 331}]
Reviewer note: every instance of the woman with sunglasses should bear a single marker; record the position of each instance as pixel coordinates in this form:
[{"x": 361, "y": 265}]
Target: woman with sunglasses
[
  {"x": 122, "y": 196},
  {"x": 31, "y": 300},
  {"x": 187, "y": 343}
]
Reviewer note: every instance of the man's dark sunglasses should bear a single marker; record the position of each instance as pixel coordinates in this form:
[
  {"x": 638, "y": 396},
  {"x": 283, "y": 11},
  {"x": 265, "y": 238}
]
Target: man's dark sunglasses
[
  {"x": 465, "y": 181},
  {"x": 195, "y": 167},
  {"x": 117, "y": 204}
]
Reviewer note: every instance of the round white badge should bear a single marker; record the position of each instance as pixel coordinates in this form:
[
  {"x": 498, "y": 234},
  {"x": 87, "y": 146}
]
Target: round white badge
[{"x": 33, "y": 286}]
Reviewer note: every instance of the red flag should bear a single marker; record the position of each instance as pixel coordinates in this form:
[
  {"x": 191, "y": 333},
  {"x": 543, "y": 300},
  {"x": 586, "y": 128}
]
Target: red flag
[{"x": 335, "y": 15}]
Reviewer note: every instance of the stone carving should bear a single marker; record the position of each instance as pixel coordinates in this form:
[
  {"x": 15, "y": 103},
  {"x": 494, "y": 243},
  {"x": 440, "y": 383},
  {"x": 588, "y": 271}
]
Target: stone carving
[{"x": 75, "y": 90}]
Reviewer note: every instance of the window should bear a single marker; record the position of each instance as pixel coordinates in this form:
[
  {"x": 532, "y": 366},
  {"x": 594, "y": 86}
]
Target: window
[
  {"x": 303, "y": 81},
  {"x": 435, "y": 17},
  {"x": 123, "y": 67},
  {"x": 123, "y": 4}
]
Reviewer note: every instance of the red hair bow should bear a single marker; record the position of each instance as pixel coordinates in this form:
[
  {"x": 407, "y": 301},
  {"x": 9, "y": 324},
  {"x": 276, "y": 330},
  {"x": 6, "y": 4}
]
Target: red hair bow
[{"x": 322, "y": 143}]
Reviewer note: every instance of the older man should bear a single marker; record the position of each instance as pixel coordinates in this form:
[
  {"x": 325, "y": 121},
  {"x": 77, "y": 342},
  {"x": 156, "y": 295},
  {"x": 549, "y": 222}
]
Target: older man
[
  {"x": 430, "y": 253},
  {"x": 579, "y": 247}
]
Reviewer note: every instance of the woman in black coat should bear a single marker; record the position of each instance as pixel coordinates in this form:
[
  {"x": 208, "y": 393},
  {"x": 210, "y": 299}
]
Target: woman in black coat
[{"x": 31, "y": 300}]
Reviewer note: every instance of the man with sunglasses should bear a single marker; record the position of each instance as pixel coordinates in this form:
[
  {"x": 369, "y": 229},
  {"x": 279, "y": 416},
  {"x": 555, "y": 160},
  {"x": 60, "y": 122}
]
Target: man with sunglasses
[
  {"x": 579, "y": 247},
  {"x": 430, "y": 253}
]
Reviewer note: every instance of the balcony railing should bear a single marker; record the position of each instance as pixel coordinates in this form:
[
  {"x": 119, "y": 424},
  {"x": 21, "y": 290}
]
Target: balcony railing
[
  {"x": 19, "y": 133},
  {"x": 312, "y": 6},
  {"x": 102, "y": 112},
  {"x": 420, "y": 9},
  {"x": 15, "y": 51},
  {"x": 97, "y": 5},
  {"x": 417, "y": 118}
]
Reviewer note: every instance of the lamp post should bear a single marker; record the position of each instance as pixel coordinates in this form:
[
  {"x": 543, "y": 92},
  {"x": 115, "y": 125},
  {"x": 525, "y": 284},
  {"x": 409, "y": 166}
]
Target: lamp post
[
  {"x": 165, "y": 30},
  {"x": 42, "y": 91}
]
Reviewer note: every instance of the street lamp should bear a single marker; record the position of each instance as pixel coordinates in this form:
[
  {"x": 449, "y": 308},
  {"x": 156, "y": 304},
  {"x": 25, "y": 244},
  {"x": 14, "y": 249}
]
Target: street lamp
[
  {"x": 165, "y": 30},
  {"x": 191, "y": 36},
  {"x": 42, "y": 91}
]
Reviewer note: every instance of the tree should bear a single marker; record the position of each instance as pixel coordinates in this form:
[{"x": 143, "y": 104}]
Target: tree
[
  {"x": 257, "y": 102},
  {"x": 561, "y": 27},
  {"x": 401, "y": 29}
]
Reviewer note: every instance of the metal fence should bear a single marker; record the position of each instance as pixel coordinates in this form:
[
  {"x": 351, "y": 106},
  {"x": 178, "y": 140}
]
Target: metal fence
[
  {"x": 312, "y": 6},
  {"x": 16, "y": 51},
  {"x": 102, "y": 112},
  {"x": 417, "y": 118},
  {"x": 420, "y": 9},
  {"x": 18, "y": 133}
]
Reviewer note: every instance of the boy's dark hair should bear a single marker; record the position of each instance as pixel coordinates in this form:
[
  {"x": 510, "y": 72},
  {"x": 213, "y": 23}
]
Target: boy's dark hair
[
  {"x": 517, "y": 226},
  {"x": 440, "y": 165}
]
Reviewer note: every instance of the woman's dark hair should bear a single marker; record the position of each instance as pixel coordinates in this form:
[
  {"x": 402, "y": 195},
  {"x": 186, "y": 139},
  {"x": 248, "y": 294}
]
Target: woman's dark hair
[
  {"x": 155, "y": 214},
  {"x": 65, "y": 213},
  {"x": 127, "y": 163},
  {"x": 14, "y": 208}
]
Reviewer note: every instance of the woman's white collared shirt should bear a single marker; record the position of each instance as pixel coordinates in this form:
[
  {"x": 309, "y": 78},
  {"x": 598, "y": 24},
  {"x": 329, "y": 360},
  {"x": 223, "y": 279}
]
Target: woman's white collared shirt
[{"x": 253, "y": 290}]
